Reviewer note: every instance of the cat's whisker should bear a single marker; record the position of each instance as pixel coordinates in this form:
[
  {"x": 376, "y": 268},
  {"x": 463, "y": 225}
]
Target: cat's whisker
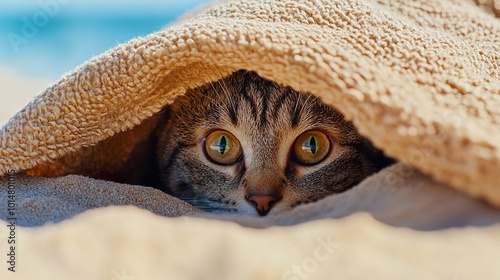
[
  {"x": 227, "y": 92},
  {"x": 206, "y": 96},
  {"x": 221, "y": 98},
  {"x": 305, "y": 104},
  {"x": 198, "y": 201},
  {"x": 295, "y": 107},
  {"x": 305, "y": 111},
  {"x": 206, "y": 204}
]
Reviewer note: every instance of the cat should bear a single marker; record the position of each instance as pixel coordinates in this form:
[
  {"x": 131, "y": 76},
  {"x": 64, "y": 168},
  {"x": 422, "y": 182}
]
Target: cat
[{"x": 247, "y": 145}]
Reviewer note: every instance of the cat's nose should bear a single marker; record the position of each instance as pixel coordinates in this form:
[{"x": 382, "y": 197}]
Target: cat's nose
[{"x": 263, "y": 203}]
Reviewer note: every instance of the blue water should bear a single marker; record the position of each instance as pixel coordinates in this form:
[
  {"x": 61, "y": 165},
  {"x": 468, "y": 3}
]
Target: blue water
[{"x": 56, "y": 44}]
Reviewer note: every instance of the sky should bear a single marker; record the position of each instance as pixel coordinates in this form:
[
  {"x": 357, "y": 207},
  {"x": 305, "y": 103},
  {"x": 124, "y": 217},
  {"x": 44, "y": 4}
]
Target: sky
[{"x": 47, "y": 38}]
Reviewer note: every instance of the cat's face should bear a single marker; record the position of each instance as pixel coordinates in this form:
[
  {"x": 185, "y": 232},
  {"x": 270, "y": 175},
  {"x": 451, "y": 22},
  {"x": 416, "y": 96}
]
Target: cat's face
[{"x": 247, "y": 145}]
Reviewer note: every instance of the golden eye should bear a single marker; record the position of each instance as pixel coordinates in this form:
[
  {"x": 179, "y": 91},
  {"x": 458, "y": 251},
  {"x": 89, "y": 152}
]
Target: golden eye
[
  {"x": 311, "y": 147},
  {"x": 222, "y": 147}
]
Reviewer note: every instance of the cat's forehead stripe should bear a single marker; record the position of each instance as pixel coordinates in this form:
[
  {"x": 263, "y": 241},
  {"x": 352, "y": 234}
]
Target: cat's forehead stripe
[
  {"x": 266, "y": 102},
  {"x": 280, "y": 102},
  {"x": 249, "y": 99}
]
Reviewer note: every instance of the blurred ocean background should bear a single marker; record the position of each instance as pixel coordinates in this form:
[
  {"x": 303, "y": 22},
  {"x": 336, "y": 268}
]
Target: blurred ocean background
[
  {"x": 41, "y": 40},
  {"x": 47, "y": 38}
]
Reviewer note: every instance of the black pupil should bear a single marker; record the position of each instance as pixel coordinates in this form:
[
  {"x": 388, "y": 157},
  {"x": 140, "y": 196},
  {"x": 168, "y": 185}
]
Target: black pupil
[
  {"x": 312, "y": 145},
  {"x": 222, "y": 145}
]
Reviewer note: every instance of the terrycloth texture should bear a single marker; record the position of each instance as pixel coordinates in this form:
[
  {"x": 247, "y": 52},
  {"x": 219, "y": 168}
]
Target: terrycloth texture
[
  {"x": 419, "y": 78},
  {"x": 452, "y": 236},
  {"x": 42, "y": 200}
]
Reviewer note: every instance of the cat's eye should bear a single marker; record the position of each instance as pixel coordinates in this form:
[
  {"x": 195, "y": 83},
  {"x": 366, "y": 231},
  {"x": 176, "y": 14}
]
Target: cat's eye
[
  {"x": 222, "y": 147},
  {"x": 311, "y": 147}
]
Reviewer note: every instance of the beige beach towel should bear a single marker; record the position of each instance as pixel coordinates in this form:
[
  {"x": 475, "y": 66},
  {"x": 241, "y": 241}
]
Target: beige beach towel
[{"x": 419, "y": 78}]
